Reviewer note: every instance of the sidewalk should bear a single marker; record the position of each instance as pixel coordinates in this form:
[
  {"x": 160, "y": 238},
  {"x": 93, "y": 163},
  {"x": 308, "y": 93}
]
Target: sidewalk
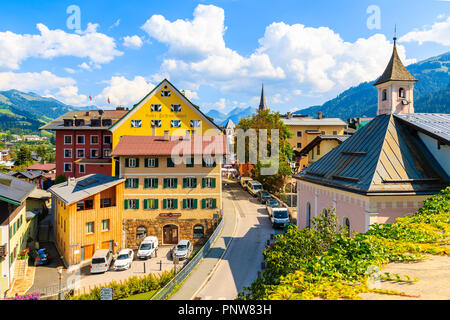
[{"x": 206, "y": 266}]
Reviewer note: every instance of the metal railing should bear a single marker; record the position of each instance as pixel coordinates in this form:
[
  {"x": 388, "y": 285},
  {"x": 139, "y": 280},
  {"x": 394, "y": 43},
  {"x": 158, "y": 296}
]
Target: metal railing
[{"x": 184, "y": 273}]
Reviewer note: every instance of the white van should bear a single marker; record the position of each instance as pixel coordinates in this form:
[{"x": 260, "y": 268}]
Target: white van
[
  {"x": 254, "y": 187},
  {"x": 278, "y": 216},
  {"x": 244, "y": 181},
  {"x": 148, "y": 247},
  {"x": 101, "y": 261}
]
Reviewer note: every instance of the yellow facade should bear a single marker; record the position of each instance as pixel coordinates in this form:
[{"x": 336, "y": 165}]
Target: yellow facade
[
  {"x": 321, "y": 149},
  {"x": 74, "y": 241}
]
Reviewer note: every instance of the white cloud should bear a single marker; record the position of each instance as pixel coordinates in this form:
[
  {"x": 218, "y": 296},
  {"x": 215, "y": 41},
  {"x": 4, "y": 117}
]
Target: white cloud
[
  {"x": 122, "y": 91},
  {"x": 190, "y": 94},
  {"x": 84, "y": 66},
  {"x": 115, "y": 24},
  {"x": 97, "y": 47},
  {"x": 70, "y": 95},
  {"x": 439, "y": 33},
  {"x": 133, "y": 42},
  {"x": 70, "y": 70}
]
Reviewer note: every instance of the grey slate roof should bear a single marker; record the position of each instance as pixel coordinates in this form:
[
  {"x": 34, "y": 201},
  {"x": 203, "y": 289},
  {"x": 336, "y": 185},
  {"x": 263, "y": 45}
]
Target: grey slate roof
[
  {"x": 436, "y": 125},
  {"x": 77, "y": 189},
  {"x": 14, "y": 189},
  {"x": 380, "y": 158}
]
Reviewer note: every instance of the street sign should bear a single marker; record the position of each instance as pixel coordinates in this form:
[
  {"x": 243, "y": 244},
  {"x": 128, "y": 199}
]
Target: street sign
[{"x": 106, "y": 294}]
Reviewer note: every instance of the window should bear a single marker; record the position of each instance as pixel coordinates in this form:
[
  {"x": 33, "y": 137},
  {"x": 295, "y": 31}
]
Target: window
[
  {"x": 132, "y": 183},
  {"x": 94, "y": 139},
  {"x": 189, "y": 182},
  {"x": 195, "y": 123},
  {"x": 318, "y": 149},
  {"x": 155, "y": 107},
  {"x": 170, "y": 204},
  {"x": 82, "y": 168},
  {"x": 151, "y": 183},
  {"x": 105, "y": 225},
  {"x": 105, "y": 203},
  {"x": 107, "y": 153},
  {"x": 131, "y": 162},
  {"x": 308, "y": 215},
  {"x": 89, "y": 227},
  {"x": 402, "y": 93},
  {"x": 199, "y": 231},
  {"x": 67, "y": 153},
  {"x": 170, "y": 163},
  {"x": 170, "y": 183},
  {"x": 136, "y": 123},
  {"x": 106, "y": 122},
  {"x": 209, "y": 162},
  {"x": 150, "y": 203},
  {"x": 67, "y": 139},
  {"x": 175, "y": 107},
  {"x": 299, "y": 134},
  {"x": 80, "y": 139},
  {"x": 189, "y": 203},
  {"x": 107, "y": 139},
  {"x": 347, "y": 226},
  {"x": 151, "y": 162},
  {"x": 94, "y": 153},
  {"x": 80, "y": 153},
  {"x": 132, "y": 204},
  {"x": 209, "y": 203},
  {"x": 67, "y": 167},
  {"x": 209, "y": 182},
  {"x": 156, "y": 123},
  {"x": 189, "y": 162},
  {"x": 88, "y": 204},
  {"x": 141, "y": 232},
  {"x": 384, "y": 95},
  {"x": 175, "y": 123},
  {"x": 335, "y": 133},
  {"x": 165, "y": 93}
]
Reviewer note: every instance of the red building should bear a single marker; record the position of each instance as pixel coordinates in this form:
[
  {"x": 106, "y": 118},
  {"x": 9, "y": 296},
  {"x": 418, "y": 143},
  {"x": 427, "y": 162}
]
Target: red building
[{"x": 83, "y": 141}]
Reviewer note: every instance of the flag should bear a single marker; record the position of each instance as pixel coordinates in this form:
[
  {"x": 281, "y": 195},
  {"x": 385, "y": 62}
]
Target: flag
[
  {"x": 109, "y": 102},
  {"x": 90, "y": 96}
]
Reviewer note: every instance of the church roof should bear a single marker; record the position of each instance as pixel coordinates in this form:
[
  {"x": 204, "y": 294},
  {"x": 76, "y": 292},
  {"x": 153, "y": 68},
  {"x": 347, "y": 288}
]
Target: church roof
[
  {"x": 395, "y": 70},
  {"x": 379, "y": 159},
  {"x": 262, "y": 102}
]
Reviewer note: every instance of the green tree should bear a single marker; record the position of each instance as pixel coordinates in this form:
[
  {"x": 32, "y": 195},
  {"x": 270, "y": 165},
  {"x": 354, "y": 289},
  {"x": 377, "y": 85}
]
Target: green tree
[
  {"x": 23, "y": 156},
  {"x": 61, "y": 178}
]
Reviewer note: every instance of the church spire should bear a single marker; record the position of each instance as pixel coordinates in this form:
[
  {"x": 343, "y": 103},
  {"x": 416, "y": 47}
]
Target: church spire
[{"x": 262, "y": 103}]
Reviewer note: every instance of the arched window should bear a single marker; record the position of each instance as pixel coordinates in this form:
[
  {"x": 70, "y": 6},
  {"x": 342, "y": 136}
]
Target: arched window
[
  {"x": 347, "y": 225},
  {"x": 384, "y": 95},
  {"x": 308, "y": 215},
  {"x": 199, "y": 231},
  {"x": 402, "y": 93},
  {"x": 141, "y": 232}
]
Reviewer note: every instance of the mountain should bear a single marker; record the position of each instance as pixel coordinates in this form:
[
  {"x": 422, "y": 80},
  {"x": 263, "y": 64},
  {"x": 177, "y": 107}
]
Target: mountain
[
  {"x": 234, "y": 115},
  {"x": 20, "y": 110},
  {"x": 431, "y": 93}
]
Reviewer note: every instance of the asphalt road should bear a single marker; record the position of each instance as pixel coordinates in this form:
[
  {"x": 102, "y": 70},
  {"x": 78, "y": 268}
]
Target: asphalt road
[{"x": 240, "y": 265}]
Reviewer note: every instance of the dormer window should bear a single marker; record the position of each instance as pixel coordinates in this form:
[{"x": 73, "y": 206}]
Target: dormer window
[
  {"x": 195, "y": 123},
  {"x": 176, "y": 107},
  {"x": 165, "y": 93},
  {"x": 156, "y": 123},
  {"x": 106, "y": 122},
  {"x": 95, "y": 123},
  {"x": 402, "y": 93},
  {"x": 79, "y": 122},
  {"x": 175, "y": 123},
  {"x": 136, "y": 123},
  {"x": 156, "y": 108},
  {"x": 68, "y": 123},
  {"x": 384, "y": 95}
]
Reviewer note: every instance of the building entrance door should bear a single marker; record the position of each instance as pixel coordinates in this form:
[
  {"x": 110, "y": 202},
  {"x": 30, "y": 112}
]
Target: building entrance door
[{"x": 170, "y": 234}]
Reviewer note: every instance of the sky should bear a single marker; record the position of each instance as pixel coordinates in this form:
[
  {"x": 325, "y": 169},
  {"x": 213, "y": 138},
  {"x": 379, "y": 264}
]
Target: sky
[{"x": 220, "y": 52}]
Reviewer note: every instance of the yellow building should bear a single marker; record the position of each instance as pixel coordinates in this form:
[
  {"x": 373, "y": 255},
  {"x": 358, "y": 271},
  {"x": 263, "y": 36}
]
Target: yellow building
[
  {"x": 165, "y": 110},
  {"x": 88, "y": 216},
  {"x": 320, "y": 146},
  {"x": 306, "y": 129},
  {"x": 168, "y": 196},
  {"x": 14, "y": 226}
]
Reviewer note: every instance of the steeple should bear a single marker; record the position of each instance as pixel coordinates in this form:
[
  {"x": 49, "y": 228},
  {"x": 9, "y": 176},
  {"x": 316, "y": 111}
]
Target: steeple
[
  {"x": 395, "y": 87},
  {"x": 262, "y": 102}
]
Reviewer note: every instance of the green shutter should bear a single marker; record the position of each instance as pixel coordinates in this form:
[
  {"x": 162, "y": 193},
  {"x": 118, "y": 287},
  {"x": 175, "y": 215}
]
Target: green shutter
[
  {"x": 214, "y": 204},
  {"x": 203, "y": 203},
  {"x": 127, "y": 162},
  {"x": 155, "y": 182},
  {"x": 156, "y": 203},
  {"x": 137, "y": 162},
  {"x": 126, "y": 203},
  {"x": 126, "y": 183},
  {"x": 137, "y": 203},
  {"x": 195, "y": 203},
  {"x": 203, "y": 182},
  {"x": 146, "y": 162},
  {"x": 184, "y": 203},
  {"x": 176, "y": 183},
  {"x": 146, "y": 182},
  {"x": 165, "y": 182},
  {"x": 213, "y": 182},
  {"x": 145, "y": 203},
  {"x": 156, "y": 163},
  {"x": 185, "y": 183},
  {"x": 195, "y": 183},
  {"x": 164, "y": 203},
  {"x": 136, "y": 183},
  {"x": 175, "y": 203}
]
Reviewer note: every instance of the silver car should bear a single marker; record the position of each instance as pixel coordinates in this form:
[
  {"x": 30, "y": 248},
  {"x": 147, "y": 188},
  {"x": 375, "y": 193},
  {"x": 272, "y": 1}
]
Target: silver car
[{"x": 182, "y": 250}]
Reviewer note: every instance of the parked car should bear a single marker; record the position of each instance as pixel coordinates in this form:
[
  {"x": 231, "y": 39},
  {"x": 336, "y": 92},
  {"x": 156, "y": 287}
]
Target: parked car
[
  {"x": 272, "y": 203},
  {"x": 243, "y": 181},
  {"x": 101, "y": 261},
  {"x": 253, "y": 187},
  {"x": 263, "y": 196},
  {"x": 42, "y": 257},
  {"x": 182, "y": 250},
  {"x": 279, "y": 217},
  {"x": 124, "y": 259},
  {"x": 148, "y": 247}
]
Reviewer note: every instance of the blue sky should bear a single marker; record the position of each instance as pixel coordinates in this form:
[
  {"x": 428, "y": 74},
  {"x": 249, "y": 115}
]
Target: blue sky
[{"x": 219, "y": 52}]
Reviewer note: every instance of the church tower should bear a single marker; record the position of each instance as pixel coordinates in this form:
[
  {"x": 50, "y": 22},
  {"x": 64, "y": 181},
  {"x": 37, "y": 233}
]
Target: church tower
[
  {"x": 395, "y": 87},
  {"x": 262, "y": 102}
]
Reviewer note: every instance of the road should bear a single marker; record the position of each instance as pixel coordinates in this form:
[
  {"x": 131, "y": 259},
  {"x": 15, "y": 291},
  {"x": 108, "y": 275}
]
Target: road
[{"x": 240, "y": 265}]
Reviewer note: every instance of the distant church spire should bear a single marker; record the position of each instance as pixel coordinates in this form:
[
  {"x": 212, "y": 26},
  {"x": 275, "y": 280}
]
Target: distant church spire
[{"x": 262, "y": 103}]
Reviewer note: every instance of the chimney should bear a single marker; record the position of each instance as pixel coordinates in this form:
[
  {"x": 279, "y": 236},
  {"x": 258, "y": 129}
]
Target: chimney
[
  {"x": 87, "y": 113},
  {"x": 71, "y": 181},
  {"x": 289, "y": 115},
  {"x": 166, "y": 135},
  {"x": 319, "y": 115}
]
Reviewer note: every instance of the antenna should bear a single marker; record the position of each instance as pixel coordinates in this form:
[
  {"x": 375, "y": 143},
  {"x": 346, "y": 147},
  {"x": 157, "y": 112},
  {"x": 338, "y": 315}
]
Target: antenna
[{"x": 395, "y": 33}]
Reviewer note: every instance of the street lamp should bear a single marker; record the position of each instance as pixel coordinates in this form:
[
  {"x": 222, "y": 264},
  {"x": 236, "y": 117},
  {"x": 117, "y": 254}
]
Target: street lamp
[{"x": 60, "y": 271}]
